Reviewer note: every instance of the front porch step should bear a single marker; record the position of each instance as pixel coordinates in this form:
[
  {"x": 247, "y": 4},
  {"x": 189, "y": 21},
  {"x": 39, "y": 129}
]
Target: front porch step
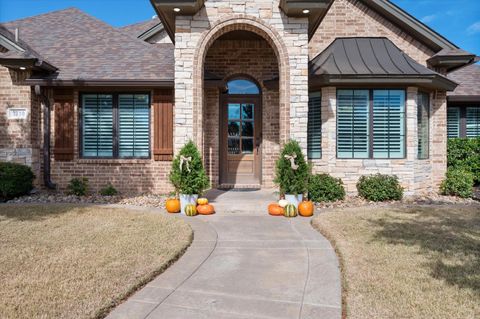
[{"x": 240, "y": 187}]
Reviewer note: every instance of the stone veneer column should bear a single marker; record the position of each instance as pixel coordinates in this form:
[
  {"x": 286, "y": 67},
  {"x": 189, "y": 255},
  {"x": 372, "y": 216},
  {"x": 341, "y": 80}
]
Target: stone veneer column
[{"x": 288, "y": 37}]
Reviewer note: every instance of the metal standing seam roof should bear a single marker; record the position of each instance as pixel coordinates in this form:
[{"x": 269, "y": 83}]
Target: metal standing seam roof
[
  {"x": 370, "y": 59},
  {"x": 84, "y": 49}
]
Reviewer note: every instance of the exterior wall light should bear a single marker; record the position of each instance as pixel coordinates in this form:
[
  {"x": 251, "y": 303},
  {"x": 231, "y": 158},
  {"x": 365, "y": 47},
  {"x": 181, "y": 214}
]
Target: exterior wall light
[
  {"x": 176, "y": 9},
  {"x": 306, "y": 11},
  {"x": 23, "y": 68}
]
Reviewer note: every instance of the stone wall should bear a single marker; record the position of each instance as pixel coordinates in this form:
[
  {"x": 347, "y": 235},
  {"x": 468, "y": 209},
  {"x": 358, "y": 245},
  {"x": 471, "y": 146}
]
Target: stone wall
[
  {"x": 254, "y": 58},
  {"x": 415, "y": 175},
  {"x": 287, "y": 36},
  {"x": 352, "y": 18},
  {"x": 19, "y": 138},
  {"x": 129, "y": 176}
]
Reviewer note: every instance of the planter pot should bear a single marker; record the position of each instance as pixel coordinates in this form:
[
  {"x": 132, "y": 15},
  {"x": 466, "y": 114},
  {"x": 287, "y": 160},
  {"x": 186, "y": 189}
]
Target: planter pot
[
  {"x": 294, "y": 199},
  {"x": 186, "y": 199}
]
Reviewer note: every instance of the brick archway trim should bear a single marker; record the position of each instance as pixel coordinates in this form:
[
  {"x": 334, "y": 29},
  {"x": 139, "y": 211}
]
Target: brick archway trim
[{"x": 273, "y": 38}]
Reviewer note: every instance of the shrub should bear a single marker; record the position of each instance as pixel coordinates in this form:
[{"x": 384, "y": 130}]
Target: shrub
[
  {"x": 289, "y": 180},
  {"x": 325, "y": 188},
  {"x": 109, "y": 190},
  {"x": 458, "y": 182},
  {"x": 78, "y": 186},
  {"x": 191, "y": 177},
  {"x": 464, "y": 154},
  {"x": 380, "y": 187},
  {"x": 15, "y": 180}
]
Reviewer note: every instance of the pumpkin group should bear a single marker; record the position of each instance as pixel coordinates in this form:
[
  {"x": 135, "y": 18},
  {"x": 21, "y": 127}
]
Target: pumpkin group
[
  {"x": 275, "y": 209},
  {"x": 205, "y": 209},
  {"x": 202, "y": 201},
  {"x": 290, "y": 211},
  {"x": 305, "y": 208},
  {"x": 190, "y": 210},
  {"x": 172, "y": 205}
]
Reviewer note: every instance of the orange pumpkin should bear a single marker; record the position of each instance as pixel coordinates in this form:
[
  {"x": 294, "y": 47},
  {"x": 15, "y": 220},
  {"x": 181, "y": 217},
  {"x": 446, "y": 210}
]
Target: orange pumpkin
[
  {"x": 207, "y": 209},
  {"x": 172, "y": 205},
  {"x": 275, "y": 210},
  {"x": 306, "y": 208}
]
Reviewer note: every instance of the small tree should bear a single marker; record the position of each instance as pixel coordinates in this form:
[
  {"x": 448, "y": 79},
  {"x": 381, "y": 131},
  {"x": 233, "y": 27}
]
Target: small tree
[
  {"x": 292, "y": 171},
  {"x": 188, "y": 175}
]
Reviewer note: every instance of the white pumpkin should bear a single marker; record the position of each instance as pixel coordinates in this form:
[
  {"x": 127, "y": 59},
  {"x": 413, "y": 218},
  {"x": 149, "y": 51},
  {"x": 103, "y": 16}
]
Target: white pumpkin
[{"x": 283, "y": 202}]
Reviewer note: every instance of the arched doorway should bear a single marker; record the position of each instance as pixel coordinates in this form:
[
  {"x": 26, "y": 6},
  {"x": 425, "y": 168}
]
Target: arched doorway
[{"x": 241, "y": 133}]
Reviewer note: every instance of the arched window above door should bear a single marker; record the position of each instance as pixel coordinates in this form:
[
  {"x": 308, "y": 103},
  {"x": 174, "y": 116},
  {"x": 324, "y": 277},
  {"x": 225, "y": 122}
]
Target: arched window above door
[{"x": 242, "y": 86}]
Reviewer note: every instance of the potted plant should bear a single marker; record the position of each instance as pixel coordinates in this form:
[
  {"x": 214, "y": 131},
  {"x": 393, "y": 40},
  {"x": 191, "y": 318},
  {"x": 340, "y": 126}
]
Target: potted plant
[
  {"x": 292, "y": 172},
  {"x": 188, "y": 175}
]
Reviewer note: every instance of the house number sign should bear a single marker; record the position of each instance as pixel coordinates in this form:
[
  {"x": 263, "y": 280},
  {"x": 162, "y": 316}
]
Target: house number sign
[{"x": 17, "y": 113}]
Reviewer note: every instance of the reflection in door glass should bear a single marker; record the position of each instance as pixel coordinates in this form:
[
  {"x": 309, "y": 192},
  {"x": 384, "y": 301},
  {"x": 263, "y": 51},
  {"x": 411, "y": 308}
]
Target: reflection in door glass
[
  {"x": 233, "y": 145},
  {"x": 233, "y": 128},
  {"x": 247, "y": 145},
  {"x": 247, "y": 111},
  {"x": 233, "y": 111},
  {"x": 247, "y": 129}
]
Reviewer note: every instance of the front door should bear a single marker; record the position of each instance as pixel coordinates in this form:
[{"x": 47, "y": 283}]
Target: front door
[{"x": 240, "y": 140}]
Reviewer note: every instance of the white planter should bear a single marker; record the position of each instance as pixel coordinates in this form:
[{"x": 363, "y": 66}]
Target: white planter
[
  {"x": 294, "y": 199},
  {"x": 186, "y": 199}
]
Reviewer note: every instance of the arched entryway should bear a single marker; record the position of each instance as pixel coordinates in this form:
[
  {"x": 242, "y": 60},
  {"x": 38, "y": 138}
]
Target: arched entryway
[
  {"x": 241, "y": 111},
  {"x": 241, "y": 132}
]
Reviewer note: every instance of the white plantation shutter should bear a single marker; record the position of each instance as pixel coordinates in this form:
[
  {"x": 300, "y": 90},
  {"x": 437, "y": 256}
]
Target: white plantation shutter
[
  {"x": 423, "y": 115},
  {"x": 352, "y": 123},
  {"x": 314, "y": 137},
  {"x": 133, "y": 125},
  {"x": 97, "y": 129},
  {"x": 453, "y": 122},
  {"x": 472, "y": 118},
  {"x": 388, "y": 123}
]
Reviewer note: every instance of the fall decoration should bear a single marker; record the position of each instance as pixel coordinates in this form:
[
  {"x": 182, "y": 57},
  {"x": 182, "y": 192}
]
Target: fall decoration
[
  {"x": 172, "y": 205},
  {"x": 290, "y": 211},
  {"x": 283, "y": 203},
  {"x": 205, "y": 209},
  {"x": 202, "y": 201},
  {"x": 275, "y": 209},
  {"x": 305, "y": 208},
  {"x": 190, "y": 210}
]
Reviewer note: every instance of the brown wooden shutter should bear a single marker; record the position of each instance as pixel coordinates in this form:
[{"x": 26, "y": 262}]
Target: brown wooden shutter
[
  {"x": 163, "y": 125},
  {"x": 64, "y": 125}
]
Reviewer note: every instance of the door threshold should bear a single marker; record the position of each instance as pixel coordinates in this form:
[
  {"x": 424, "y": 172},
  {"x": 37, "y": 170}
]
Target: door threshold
[{"x": 240, "y": 187}]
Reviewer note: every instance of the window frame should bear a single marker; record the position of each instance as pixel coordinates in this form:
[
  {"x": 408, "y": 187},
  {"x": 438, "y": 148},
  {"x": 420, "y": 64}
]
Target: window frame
[
  {"x": 429, "y": 106},
  {"x": 370, "y": 123},
  {"x": 115, "y": 125},
  {"x": 462, "y": 120}
]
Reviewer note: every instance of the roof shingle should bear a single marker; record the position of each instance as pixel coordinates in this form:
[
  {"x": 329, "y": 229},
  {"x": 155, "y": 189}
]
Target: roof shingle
[
  {"x": 468, "y": 79},
  {"x": 84, "y": 48}
]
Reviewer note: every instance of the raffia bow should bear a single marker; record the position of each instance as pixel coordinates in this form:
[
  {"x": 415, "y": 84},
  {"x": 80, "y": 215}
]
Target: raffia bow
[
  {"x": 292, "y": 158},
  {"x": 185, "y": 160}
]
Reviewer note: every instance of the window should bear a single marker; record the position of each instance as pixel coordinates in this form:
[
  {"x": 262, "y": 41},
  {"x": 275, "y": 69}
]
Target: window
[
  {"x": 115, "y": 125},
  {"x": 463, "y": 121},
  {"x": 314, "y": 136},
  {"x": 371, "y": 123},
  {"x": 242, "y": 86},
  {"x": 423, "y": 115}
]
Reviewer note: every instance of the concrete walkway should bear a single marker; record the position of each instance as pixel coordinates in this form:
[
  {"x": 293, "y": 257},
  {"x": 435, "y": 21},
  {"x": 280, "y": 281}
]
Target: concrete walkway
[{"x": 244, "y": 264}]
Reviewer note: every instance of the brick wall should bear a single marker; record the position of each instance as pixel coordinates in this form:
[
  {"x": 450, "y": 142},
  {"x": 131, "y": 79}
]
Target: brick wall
[
  {"x": 257, "y": 59},
  {"x": 19, "y": 139},
  {"x": 351, "y": 18},
  {"x": 126, "y": 175}
]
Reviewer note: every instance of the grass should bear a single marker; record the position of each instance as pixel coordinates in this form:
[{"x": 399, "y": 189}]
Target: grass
[
  {"x": 407, "y": 262},
  {"x": 60, "y": 261}
]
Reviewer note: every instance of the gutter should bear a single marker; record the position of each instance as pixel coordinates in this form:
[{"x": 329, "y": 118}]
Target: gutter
[
  {"x": 46, "y": 138},
  {"x": 105, "y": 83}
]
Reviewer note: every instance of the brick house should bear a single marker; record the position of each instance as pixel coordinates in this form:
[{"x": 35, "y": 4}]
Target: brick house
[{"x": 361, "y": 85}]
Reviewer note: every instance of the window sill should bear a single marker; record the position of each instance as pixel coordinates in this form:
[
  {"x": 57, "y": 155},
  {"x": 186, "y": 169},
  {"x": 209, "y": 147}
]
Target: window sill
[{"x": 113, "y": 160}]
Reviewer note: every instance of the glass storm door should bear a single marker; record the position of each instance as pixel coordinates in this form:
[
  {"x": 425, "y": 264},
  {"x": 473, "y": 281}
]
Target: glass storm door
[{"x": 241, "y": 140}]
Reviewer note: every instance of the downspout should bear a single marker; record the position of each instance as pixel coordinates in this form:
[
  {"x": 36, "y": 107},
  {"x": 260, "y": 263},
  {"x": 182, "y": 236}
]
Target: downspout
[{"x": 46, "y": 138}]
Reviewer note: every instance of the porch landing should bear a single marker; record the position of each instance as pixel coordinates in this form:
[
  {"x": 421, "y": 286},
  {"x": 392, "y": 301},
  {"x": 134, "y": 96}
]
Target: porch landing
[{"x": 244, "y": 263}]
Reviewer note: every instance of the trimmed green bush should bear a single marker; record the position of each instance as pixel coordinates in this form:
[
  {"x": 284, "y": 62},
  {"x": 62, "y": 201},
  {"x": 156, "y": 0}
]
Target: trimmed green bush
[
  {"x": 15, "y": 180},
  {"x": 379, "y": 187},
  {"x": 191, "y": 178},
  {"x": 109, "y": 190},
  {"x": 289, "y": 180},
  {"x": 325, "y": 188},
  {"x": 464, "y": 154},
  {"x": 78, "y": 186},
  {"x": 457, "y": 182}
]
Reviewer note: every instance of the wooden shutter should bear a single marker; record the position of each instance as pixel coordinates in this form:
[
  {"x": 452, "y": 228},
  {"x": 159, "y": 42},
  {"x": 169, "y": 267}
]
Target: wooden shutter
[
  {"x": 423, "y": 128},
  {"x": 163, "y": 125},
  {"x": 453, "y": 122},
  {"x": 314, "y": 136},
  {"x": 472, "y": 119},
  {"x": 64, "y": 125}
]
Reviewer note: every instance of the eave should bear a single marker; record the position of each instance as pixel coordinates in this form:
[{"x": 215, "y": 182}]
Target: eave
[
  {"x": 101, "y": 83},
  {"x": 28, "y": 63}
]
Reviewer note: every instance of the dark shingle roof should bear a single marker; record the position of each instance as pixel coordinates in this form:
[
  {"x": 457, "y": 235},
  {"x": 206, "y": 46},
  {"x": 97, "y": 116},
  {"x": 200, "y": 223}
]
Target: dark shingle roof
[
  {"x": 84, "y": 48},
  {"x": 371, "y": 59},
  {"x": 468, "y": 79},
  {"x": 137, "y": 29}
]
